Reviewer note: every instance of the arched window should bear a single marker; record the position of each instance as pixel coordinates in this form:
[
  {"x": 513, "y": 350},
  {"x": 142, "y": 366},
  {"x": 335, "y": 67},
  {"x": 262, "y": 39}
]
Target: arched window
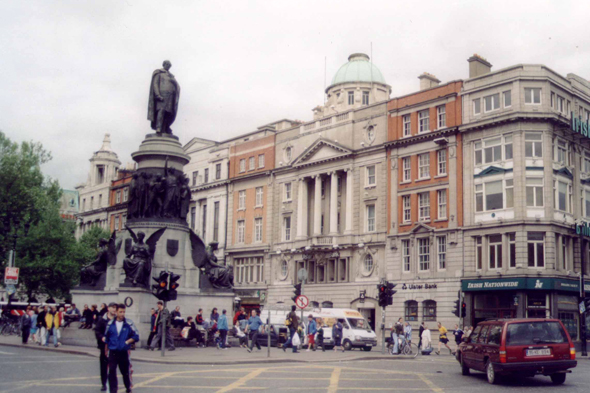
[
  {"x": 368, "y": 265},
  {"x": 284, "y": 268},
  {"x": 315, "y": 304},
  {"x": 327, "y": 304},
  {"x": 429, "y": 310},
  {"x": 411, "y": 310}
]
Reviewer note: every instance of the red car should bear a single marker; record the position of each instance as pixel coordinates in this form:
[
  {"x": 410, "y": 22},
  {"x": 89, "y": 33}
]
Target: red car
[{"x": 525, "y": 347}]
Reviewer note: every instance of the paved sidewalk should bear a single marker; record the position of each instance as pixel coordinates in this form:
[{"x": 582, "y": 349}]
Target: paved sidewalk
[{"x": 211, "y": 355}]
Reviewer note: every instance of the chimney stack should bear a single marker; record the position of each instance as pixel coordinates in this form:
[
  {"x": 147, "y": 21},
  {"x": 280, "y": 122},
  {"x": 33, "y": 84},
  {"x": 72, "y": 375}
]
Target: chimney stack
[
  {"x": 478, "y": 66},
  {"x": 427, "y": 81}
]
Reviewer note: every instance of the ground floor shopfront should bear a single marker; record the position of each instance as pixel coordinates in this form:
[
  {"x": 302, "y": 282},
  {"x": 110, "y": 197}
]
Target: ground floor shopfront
[{"x": 524, "y": 297}]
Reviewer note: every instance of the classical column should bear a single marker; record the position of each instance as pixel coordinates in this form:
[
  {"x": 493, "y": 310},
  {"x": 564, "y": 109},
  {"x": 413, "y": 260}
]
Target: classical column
[
  {"x": 334, "y": 204},
  {"x": 317, "y": 209},
  {"x": 349, "y": 190},
  {"x": 302, "y": 209}
]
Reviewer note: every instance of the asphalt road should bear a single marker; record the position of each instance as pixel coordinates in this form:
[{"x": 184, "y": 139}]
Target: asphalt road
[{"x": 24, "y": 370}]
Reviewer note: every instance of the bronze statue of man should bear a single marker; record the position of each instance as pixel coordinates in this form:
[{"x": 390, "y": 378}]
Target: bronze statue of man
[{"x": 163, "y": 100}]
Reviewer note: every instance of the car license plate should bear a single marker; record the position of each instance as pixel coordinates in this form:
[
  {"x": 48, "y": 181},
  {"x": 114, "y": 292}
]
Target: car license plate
[
  {"x": 369, "y": 345},
  {"x": 538, "y": 352}
]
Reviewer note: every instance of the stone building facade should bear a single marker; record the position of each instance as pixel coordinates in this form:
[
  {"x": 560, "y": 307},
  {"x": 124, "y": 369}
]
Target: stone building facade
[
  {"x": 525, "y": 186},
  {"x": 119, "y": 198},
  {"x": 94, "y": 194}
]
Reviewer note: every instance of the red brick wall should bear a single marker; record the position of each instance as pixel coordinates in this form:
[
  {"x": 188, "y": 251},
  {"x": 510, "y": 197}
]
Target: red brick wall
[
  {"x": 248, "y": 149},
  {"x": 249, "y": 214}
]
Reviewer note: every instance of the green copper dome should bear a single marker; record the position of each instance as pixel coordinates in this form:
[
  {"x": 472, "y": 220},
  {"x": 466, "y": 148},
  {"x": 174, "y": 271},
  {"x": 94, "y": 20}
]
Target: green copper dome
[{"x": 358, "y": 69}]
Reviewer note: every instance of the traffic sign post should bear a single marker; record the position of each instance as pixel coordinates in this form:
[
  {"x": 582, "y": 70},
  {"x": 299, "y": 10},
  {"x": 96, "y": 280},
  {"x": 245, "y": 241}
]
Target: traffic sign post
[
  {"x": 302, "y": 301},
  {"x": 11, "y": 276}
]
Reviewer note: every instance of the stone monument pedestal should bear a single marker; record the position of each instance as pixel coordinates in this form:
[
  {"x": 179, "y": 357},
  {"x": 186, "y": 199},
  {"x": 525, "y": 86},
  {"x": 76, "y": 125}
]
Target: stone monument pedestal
[{"x": 158, "y": 155}]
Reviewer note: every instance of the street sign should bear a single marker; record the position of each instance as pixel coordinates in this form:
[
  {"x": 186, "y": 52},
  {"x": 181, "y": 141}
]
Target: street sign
[
  {"x": 302, "y": 274},
  {"x": 302, "y": 301},
  {"x": 10, "y": 289},
  {"x": 582, "y": 307},
  {"x": 11, "y": 276}
]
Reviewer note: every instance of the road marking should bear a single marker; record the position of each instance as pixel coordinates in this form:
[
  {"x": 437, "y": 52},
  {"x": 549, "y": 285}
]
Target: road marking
[
  {"x": 6, "y": 353},
  {"x": 333, "y": 388},
  {"x": 238, "y": 384},
  {"x": 387, "y": 389},
  {"x": 48, "y": 361},
  {"x": 144, "y": 383},
  {"x": 430, "y": 384},
  {"x": 207, "y": 387}
]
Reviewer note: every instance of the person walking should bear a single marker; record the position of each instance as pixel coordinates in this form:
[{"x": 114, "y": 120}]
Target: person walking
[
  {"x": 152, "y": 328},
  {"x": 425, "y": 338},
  {"x": 42, "y": 325},
  {"x": 120, "y": 334},
  {"x": 254, "y": 324},
  {"x": 337, "y": 330},
  {"x": 167, "y": 335},
  {"x": 49, "y": 321},
  {"x": 25, "y": 324},
  {"x": 320, "y": 337},
  {"x": 34, "y": 327},
  {"x": 408, "y": 332},
  {"x": 57, "y": 321},
  {"x": 223, "y": 328},
  {"x": 397, "y": 333},
  {"x": 458, "y": 333},
  {"x": 311, "y": 330},
  {"x": 442, "y": 338},
  {"x": 420, "y": 335},
  {"x": 293, "y": 323},
  {"x": 99, "y": 331}
]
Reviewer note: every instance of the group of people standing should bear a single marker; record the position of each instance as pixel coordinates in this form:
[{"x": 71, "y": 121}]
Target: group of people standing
[
  {"x": 314, "y": 331},
  {"x": 402, "y": 334},
  {"x": 40, "y": 323}
]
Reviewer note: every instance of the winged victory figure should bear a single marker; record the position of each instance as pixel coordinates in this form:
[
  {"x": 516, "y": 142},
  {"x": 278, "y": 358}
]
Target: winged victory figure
[
  {"x": 91, "y": 274},
  {"x": 138, "y": 264},
  {"x": 219, "y": 276}
]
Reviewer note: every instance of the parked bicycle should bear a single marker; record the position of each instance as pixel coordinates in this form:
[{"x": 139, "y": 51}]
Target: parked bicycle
[
  {"x": 10, "y": 326},
  {"x": 405, "y": 347}
]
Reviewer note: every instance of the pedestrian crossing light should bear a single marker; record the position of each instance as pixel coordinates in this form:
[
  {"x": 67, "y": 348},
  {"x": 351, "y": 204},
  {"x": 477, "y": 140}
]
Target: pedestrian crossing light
[
  {"x": 390, "y": 292},
  {"x": 382, "y": 289},
  {"x": 463, "y": 310},
  {"x": 457, "y": 308},
  {"x": 172, "y": 294},
  {"x": 160, "y": 289},
  {"x": 297, "y": 292}
]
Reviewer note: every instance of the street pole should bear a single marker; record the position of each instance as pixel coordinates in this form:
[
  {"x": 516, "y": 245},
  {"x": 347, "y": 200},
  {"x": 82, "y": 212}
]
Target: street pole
[
  {"x": 268, "y": 335},
  {"x": 582, "y": 298},
  {"x": 163, "y": 320},
  {"x": 301, "y": 319},
  {"x": 383, "y": 331}
]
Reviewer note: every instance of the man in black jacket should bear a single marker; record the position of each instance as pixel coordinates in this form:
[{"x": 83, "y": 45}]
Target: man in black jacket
[
  {"x": 99, "y": 331},
  {"x": 25, "y": 323},
  {"x": 42, "y": 325}
]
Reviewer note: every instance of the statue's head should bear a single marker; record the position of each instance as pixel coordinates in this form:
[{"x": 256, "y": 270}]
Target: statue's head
[
  {"x": 140, "y": 236},
  {"x": 103, "y": 242},
  {"x": 135, "y": 176},
  {"x": 186, "y": 180},
  {"x": 166, "y": 64},
  {"x": 213, "y": 245}
]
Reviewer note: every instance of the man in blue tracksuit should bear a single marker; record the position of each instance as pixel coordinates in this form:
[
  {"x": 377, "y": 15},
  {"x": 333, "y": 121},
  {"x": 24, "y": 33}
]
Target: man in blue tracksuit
[
  {"x": 223, "y": 328},
  {"x": 119, "y": 335}
]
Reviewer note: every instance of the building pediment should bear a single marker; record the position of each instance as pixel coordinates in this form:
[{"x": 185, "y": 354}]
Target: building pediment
[
  {"x": 564, "y": 172},
  {"x": 321, "y": 151},
  {"x": 492, "y": 170},
  {"x": 421, "y": 228}
]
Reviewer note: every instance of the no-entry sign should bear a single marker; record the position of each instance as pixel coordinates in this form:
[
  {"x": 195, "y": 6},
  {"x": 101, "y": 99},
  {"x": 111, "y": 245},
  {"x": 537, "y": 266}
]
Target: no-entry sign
[
  {"x": 11, "y": 276},
  {"x": 301, "y": 301}
]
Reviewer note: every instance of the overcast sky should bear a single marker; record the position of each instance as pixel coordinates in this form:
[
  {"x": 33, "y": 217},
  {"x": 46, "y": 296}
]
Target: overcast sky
[{"x": 72, "y": 71}]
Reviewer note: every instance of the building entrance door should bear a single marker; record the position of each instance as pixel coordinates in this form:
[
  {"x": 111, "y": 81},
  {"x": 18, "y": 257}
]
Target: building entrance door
[{"x": 369, "y": 314}]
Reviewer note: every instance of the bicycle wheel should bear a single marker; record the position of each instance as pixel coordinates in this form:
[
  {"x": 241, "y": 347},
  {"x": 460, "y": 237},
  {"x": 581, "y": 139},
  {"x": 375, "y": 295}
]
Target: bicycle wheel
[
  {"x": 414, "y": 351},
  {"x": 406, "y": 350}
]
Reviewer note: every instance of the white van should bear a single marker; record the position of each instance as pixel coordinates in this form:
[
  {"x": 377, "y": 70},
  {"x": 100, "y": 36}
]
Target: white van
[{"x": 356, "y": 333}]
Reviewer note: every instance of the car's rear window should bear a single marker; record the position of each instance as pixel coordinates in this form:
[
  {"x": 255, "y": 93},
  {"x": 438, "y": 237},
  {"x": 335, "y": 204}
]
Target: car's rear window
[{"x": 533, "y": 333}]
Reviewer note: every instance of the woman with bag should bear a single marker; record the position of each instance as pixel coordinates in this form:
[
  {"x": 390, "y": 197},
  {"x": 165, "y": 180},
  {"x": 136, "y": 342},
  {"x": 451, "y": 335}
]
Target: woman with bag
[
  {"x": 337, "y": 329},
  {"x": 426, "y": 339},
  {"x": 292, "y": 323}
]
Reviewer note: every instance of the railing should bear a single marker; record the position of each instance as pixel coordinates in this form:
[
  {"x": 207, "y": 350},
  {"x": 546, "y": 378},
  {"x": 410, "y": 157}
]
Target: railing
[
  {"x": 342, "y": 117},
  {"x": 325, "y": 122},
  {"x": 324, "y": 240},
  {"x": 309, "y": 126}
]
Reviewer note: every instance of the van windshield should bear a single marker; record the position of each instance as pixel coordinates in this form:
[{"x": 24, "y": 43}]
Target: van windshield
[
  {"x": 532, "y": 333},
  {"x": 358, "y": 323}
]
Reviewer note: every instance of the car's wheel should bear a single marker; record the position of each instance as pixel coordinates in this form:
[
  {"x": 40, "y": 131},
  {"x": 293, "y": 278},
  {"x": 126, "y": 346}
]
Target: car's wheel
[
  {"x": 367, "y": 349},
  {"x": 557, "y": 379},
  {"x": 464, "y": 369},
  {"x": 491, "y": 373},
  {"x": 347, "y": 345}
]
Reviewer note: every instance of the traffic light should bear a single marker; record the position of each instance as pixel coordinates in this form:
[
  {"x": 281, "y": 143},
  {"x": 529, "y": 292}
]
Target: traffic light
[
  {"x": 172, "y": 294},
  {"x": 390, "y": 292},
  {"x": 160, "y": 289},
  {"x": 382, "y": 288},
  {"x": 297, "y": 292},
  {"x": 457, "y": 308},
  {"x": 463, "y": 310}
]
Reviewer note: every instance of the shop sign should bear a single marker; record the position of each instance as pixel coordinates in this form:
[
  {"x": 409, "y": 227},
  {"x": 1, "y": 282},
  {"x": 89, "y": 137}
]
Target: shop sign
[
  {"x": 418, "y": 286},
  {"x": 580, "y": 127},
  {"x": 583, "y": 229},
  {"x": 540, "y": 284}
]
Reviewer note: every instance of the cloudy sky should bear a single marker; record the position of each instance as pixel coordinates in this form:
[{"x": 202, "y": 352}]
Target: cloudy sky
[{"x": 75, "y": 70}]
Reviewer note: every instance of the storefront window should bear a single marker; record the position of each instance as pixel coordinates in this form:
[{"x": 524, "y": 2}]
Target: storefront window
[
  {"x": 537, "y": 305},
  {"x": 569, "y": 314},
  {"x": 429, "y": 312},
  {"x": 411, "y": 310},
  {"x": 496, "y": 305}
]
